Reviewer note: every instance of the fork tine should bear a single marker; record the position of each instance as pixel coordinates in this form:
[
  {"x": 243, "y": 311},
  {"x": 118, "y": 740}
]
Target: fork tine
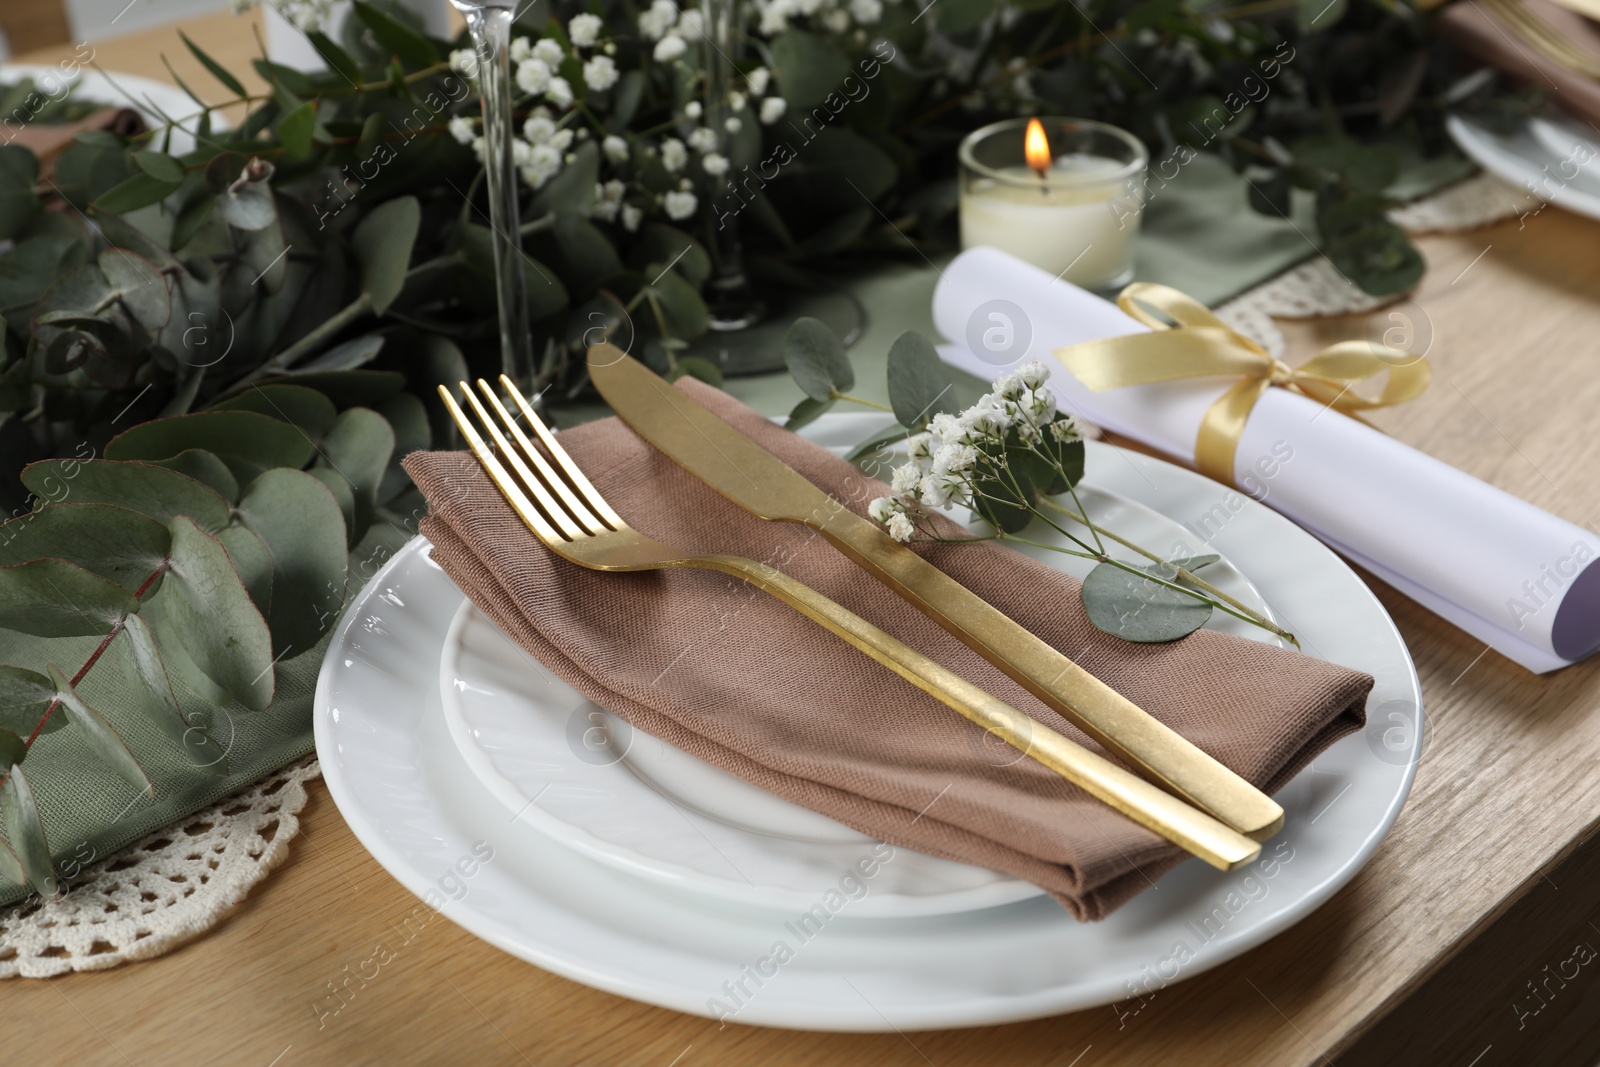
[
  {"x": 499, "y": 475},
  {"x": 530, "y": 481},
  {"x": 574, "y": 475},
  {"x": 553, "y": 481}
]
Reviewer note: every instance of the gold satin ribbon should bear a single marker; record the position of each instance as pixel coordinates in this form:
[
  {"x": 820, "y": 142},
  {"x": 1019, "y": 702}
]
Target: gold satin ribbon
[{"x": 1203, "y": 346}]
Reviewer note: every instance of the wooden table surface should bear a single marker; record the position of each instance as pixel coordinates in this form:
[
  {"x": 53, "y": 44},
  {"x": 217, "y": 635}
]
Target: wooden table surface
[{"x": 1431, "y": 952}]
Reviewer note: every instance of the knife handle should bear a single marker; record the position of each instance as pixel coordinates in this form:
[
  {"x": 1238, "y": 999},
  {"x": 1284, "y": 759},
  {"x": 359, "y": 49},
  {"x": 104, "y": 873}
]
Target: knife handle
[
  {"x": 1196, "y": 832},
  {"x": 1113, "y": 720}
]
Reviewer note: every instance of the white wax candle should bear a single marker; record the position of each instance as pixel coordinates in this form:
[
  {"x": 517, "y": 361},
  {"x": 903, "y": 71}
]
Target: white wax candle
[{"x": 1064, "y": 221}]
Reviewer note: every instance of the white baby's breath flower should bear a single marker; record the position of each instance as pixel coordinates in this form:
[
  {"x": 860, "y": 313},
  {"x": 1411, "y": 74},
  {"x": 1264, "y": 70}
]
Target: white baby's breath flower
[
  {"x": 772, "y": 109},
  {"x": 559, "y": 93},
  {"x": 461, "y": 129},
  {"x": 905, "y": 477},
  {"x": 703, "y": 139},
  {"x": 934, "y": 491},
  {"x": 540, "y": 127},
  {"x": 464, "y": 61},
  {"x": 691, "y": 25},
  {"x": 654, "y": 23},
  {"x": 669, "y": 48},
  {"x": 946, "y": 429},
  {"x": 615, "y": 148},
  {"x": 520, "y": 49},
  {"x": 521, "y": 152},
  {"x": 680, "y": 205},
  {"x": 584, "y": 30},
  {"x": 757, "y": 80},
  {"x": 716, "y": 165},
  {"x": 693, "y": 110},
  {"x": 550, "y": 51},
  {"x": 480, "y": 148},
  {"x": 605, "y": 210},
  {"x": 900, "y": 527},
  {"x": 673, "y": 155},
  {"x": 866, "y": 12},
  {"x": 732, "y": 124},
  {"x": 1039, "y": 404},
  {"x": 1066, "y": 429},
  {"x": 836, "y": 20},
  {"x": 776, "y": 15},
  {"x": 736, "y": 101},
  {"x": 631, "y": 217},
  {"x": 533, "y": 75},
  {"x": 985, "y": 423},
  {"x": 920, "y": 446},
  {"x": 600, "y": 73},
  {"x": 1033, "y": 374},
  {"x": 954, "y": 459},
  {"x": 883, "y": 507}
]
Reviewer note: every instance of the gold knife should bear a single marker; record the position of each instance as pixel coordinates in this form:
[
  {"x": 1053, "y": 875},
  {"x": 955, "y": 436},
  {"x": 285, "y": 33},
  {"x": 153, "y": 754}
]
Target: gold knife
[{"x": 764, "y": 485}]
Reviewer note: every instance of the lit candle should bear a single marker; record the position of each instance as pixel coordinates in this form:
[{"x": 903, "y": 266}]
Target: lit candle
[{"x": 1074, "y": 211}]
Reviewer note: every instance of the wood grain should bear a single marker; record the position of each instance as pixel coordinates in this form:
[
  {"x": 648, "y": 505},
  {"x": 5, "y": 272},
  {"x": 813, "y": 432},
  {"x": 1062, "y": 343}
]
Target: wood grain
[{"x": 1505, "y": 792}]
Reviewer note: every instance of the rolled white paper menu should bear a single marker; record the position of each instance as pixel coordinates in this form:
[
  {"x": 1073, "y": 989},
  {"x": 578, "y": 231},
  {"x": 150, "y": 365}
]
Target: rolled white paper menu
[{"x": 1518, "y": 578}]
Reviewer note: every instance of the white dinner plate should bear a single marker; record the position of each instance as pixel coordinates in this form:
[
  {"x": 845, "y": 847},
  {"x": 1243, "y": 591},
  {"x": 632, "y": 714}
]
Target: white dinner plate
[
  {"x": 412, "y": 800},
  {"x": 589, "y": 779},
  {"x": 115, "y": 89},
  {"x": 1556, "y": 160}
]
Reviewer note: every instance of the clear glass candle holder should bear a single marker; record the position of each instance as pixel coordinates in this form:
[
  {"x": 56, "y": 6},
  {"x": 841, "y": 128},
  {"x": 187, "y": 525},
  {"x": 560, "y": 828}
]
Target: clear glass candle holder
[{"x": 1076, "y": 217}]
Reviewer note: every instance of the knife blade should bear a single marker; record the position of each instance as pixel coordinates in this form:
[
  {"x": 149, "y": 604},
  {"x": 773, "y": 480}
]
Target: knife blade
[{"x": 760, "y": 483}]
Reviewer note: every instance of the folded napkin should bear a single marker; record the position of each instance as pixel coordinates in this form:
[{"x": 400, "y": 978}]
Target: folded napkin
[
  {"x": 732, "y": 676},
  {"x": 1513, "y": 575},
  {"x": 1489, "y": 37}
]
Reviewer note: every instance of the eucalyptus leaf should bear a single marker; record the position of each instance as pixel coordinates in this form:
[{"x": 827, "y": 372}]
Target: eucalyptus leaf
[
  {"x": 203, "y": 467},
  {"x": 808, "y": 68},
  {"x": 207, "y": 610},
  {"x": 343, "y": 494},
  {"x": 25, "y": 832},
  {"x": 395, "y": 37},
  {"x": 701, "y": 370},
  {"x": 884, "y": 437},
  {"x": 1137, "y": 609},
  {"x": 154, "y": 491},
  {"x": 134, "y": 192},
  {"x": 218, "y": 71},
  {"x": 249, "y": 556},
  {"x": 353, "y": 353},
  {"x": 100, "y": 735},
  {"x": 807, "y": 412},
  {"x": 309, "y": 410},
  {"x": 191, "y": 731},
  {"x": 408, "y": 418},
  {"x": 685, "y": 313},
  {"x": 921, "y": 385},
  {"x": 114, "y": 542},
  {"x": 13, "y": 749},
  {"x": 296, "y": 129},
  {"x": 816, "y": 359},
  {"x": 24, "y": 697},
  {"x": 55, "y": 598},
  {"x": 19, "y": 198},
  {"x": 383, "y": 242},
  {"x": 246, "y": 441},
  {"x": 358, "y": 447},
  {"x": 300, "y": 522}
]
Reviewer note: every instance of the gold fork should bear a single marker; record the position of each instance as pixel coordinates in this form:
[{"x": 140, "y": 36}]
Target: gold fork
[{"x": 574, "y": 521}]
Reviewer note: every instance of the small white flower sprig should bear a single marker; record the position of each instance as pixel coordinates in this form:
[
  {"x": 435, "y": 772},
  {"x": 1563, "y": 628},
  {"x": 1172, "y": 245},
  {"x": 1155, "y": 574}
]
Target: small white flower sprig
[
  {"x": 560, "y": 114},
  {"x": 1004, "y": 458}
]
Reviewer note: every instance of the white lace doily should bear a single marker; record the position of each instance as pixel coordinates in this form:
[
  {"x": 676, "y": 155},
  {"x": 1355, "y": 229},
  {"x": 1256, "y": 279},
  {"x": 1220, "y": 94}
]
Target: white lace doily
[
  {"x": 1315, "y": 288},
  {"x": 168, "y": 888},
  {"x": 177, "y": 884}
]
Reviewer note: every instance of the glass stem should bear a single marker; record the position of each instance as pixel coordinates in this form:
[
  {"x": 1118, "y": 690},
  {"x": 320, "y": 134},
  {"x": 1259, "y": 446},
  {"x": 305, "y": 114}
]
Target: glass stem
[{"x": 491, "y": 37}]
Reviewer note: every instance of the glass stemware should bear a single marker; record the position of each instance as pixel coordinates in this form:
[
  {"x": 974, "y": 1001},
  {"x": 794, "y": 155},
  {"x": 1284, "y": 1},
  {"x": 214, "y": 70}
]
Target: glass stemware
[{"x": 489, "y": 22}]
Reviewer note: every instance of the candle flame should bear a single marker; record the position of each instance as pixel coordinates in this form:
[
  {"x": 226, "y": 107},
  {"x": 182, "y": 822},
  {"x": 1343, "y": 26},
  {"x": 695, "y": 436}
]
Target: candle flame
[{"x": 1036, "y": 147}]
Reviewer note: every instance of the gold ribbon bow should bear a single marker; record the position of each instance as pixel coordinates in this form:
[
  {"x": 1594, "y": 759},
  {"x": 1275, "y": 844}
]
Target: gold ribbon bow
[{"x": 1203, "y": 346}]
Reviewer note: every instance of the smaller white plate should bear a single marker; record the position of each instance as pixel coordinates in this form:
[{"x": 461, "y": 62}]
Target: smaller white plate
[
  {"x": 1556, "y": 160},
  {"x": 567, "y": 766}
]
